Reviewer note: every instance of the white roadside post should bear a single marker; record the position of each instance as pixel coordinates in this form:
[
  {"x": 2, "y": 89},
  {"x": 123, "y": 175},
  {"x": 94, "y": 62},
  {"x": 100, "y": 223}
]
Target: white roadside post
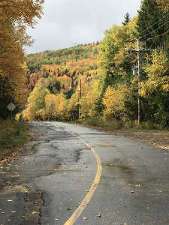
[{"x": 11, "y": 107}]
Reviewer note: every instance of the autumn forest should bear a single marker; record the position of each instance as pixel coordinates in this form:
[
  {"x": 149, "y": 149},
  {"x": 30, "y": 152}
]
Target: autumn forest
[{"x": 95, "y": 81}]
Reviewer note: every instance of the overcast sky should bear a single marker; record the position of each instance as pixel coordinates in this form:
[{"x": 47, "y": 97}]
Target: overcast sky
[{"x": 67, "y": 23}]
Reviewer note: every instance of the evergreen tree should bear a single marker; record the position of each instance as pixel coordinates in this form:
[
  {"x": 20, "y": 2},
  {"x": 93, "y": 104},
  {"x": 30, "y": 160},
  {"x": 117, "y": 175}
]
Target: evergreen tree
[
  {"x": 126, "y": 19},
  {"x": 150, "y": 24}
]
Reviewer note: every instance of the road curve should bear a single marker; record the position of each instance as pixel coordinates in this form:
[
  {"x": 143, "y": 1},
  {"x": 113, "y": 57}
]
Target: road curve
[
  {"x": 91, "y": 191},
  {"x": 58, "y": 181}
]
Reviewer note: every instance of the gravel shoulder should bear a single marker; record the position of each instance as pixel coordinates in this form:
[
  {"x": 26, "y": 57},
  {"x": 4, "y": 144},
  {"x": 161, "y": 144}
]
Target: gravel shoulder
[{"x": 157, "y": 138}]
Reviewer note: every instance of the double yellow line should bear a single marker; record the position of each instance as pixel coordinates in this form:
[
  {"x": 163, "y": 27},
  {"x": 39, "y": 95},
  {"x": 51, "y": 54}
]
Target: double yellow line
[{"x": 91, "y": 191}]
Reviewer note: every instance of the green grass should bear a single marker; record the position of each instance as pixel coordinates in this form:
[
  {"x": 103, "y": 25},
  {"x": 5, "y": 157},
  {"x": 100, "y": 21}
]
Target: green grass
[
  {"x": 120, "y": 125},
  {"x": 107, "y": 125},
  {"x": 13, "y": 135}
]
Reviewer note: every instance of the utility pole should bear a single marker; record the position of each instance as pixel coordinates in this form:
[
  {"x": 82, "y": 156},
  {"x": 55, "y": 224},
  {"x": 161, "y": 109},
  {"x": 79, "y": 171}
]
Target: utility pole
[
  {"x": 80, "y": 88},
  {"x": 80, "y": 95},
  {"x": 139, "y": 79},
  {"x": 139, "y": 51}
]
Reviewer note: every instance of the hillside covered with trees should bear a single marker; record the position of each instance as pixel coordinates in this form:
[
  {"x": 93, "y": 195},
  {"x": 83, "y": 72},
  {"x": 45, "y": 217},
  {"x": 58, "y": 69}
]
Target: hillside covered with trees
[
  {"x": 96, "y": 81},
  {"x": 58, "y": 78}
]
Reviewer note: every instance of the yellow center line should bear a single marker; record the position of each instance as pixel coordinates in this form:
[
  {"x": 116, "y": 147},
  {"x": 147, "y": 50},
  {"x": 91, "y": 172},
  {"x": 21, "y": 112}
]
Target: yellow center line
[{"x": 91, "y": 191}]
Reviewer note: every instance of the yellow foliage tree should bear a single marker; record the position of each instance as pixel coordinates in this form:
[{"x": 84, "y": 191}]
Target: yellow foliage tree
[
  {"x": 14, "y": 17},
  {"x": 158, "y": 79},
  {"x": 36, "y": 102},
  {"x": 55, "y": 106},
  {"x": 164, "y": 4},
  {"x": 50, "y": 105},
  {"x": 73, "y": 107},
  {"x": 114, "y": 102}
]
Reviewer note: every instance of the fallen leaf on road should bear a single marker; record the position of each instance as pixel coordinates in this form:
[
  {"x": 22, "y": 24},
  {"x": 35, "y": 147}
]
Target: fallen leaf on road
[
  {"x": 99, "y": 215},
  {"x": 84, "y": 218},
  {"x": 8, "y": 182},
  {"x": 10, "y": 200},
  {"x": 69, "y": 208},
  {"x": 34, "y": 212}
]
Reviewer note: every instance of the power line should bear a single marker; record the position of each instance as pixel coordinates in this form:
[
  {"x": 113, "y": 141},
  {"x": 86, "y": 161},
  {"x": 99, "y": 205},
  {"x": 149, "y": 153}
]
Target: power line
[
  {"x": 151, "y": 26},
  {"x": 157, "y": 22},
  {"x": 142, "y": 37},
  {"x": 158, "y": 35}
]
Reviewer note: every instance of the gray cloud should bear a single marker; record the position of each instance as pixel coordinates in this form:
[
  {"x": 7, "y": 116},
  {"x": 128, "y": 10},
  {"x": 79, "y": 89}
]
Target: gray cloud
[{"x": 68, "y": 22}]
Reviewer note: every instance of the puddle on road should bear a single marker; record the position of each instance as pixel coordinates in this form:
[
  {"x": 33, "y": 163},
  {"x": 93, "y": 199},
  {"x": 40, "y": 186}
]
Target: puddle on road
[
  {"x": 106, "y": 145},
  {"x": 120, "y": 165},
  {"x": 77, "y": 155},
  {"x": 120, "y": 169}
]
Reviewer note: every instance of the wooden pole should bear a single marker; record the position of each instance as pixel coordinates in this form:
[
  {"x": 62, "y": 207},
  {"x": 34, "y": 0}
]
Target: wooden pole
[
  {"x": 139, "y": 79},
  {"x": 80, "y": 95},
  {"x": 11, "y": 115}
]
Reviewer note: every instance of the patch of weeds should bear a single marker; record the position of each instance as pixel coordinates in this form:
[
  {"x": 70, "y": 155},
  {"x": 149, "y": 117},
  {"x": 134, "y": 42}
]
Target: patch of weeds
[
  {"x": 114, "y": 124},
  {"x": 13, "y": 135},
  {"x": 107, "y": 125}
]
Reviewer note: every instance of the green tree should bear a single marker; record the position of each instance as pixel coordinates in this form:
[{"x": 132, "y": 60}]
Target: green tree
[
  {"x": 115, "y": 64},
  {"x": 151, "y": 24},
  {"x": 155, "y": 89},
  {"x": 126, "y": 19}
]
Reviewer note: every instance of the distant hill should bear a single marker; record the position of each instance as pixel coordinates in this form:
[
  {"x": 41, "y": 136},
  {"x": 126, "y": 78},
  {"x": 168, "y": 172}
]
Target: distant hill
[{"x": 62, "y": 67}]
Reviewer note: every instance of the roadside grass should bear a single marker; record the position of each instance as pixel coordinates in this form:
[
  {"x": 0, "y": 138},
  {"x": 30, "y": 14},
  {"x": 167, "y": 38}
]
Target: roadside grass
[
  {"x": 120, "y": 125},
  {"x": 106, "y": 125},
  {"x": 13, "y": 135},
  {"x": 147, "y": 132}
]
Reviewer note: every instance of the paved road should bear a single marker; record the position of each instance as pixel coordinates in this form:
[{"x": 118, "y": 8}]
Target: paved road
[{"x": 57, "y": 170}]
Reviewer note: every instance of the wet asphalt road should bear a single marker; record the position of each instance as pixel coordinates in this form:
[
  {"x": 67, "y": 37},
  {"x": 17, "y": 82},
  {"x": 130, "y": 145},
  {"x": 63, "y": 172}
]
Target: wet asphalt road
[{"x": 48, "y": 181}]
